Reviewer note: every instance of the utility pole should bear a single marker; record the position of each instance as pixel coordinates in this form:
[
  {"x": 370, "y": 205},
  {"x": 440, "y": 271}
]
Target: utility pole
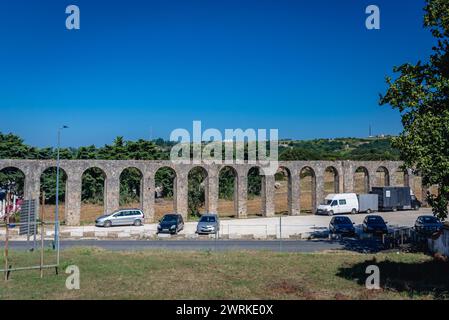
[
  {"x": 57, "y": 193},
  {"x": 7, "y": 233}
]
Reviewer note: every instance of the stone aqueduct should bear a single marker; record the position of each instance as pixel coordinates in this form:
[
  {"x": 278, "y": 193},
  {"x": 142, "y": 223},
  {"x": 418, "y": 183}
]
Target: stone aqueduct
[{"x": 344, "y": 173}]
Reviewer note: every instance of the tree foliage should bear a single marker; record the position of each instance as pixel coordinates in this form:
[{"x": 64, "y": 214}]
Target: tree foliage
[
  {"x": 421, "y": 93},
  {"x": 196, "y": 191}
]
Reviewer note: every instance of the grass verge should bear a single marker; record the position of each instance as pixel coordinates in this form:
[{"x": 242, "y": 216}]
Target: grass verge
[{"x": 228, "y": 275}]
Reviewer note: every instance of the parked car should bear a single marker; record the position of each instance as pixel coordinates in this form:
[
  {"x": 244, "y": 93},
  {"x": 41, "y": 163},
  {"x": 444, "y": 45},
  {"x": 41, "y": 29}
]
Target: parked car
[
  {"x": 374, "y": 224},
  {"x": 121, "y": 217},
  {"x": 341, "y": 225},
  {"x": 427, "y": 225},
  {"x": 209, "y": 224},
  {"x": 339, "y": 203},
  {"x": 171, "y": 223}
]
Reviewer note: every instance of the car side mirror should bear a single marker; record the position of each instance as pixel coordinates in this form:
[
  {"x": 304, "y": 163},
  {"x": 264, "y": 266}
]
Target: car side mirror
[
  {"x": 353, "y": 223},
  {"x": 386, "y": 222}
]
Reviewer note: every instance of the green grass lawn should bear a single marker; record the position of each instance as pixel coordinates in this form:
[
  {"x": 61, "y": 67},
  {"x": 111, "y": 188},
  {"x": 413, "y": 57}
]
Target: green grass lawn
[{"x": 228, "y": 275}]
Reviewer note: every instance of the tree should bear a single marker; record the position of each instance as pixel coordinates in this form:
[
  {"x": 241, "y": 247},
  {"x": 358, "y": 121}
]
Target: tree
[
  {"x": 196, "y": 190},
  {"x": 421, "y": 94}
]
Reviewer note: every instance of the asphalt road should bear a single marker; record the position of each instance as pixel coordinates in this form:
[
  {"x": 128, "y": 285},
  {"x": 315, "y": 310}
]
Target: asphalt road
[{"x": 219, "y": 245}]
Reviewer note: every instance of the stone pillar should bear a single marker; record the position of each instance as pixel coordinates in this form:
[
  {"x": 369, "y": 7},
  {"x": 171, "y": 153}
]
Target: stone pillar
[
  {"x": 389, "y": 176},
  {"x": 294, "y": 192},
  {"x": 212, "y": 192},
  {"x": 319, "y": 190},
  {"x": 73, "y": 199},
  {"x": 236, "y": 195},
  {"x": 347, "y": 177},
  {"x": 242, "y": 195},
  {"x": 407, "y": 178},
  {"x": 268, "y": 193},
  {"x": 289, "y": 194},
  {"x": 112, "y": 192},
  {"x": 180, "y": 194},
  {"x": 338, "y": 182},
  {"x": 32, "y": 186},
  {"x": 147, "y": 194},
  {"x": 371, "y": 181}
]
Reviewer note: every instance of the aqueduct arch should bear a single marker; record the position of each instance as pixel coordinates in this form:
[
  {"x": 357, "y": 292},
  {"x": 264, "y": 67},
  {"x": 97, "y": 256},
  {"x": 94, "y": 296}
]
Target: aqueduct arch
[{"x": 343, "y": 171}]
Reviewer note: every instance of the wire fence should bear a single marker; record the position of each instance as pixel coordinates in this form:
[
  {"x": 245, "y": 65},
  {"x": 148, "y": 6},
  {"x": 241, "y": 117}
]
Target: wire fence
[
  {"x": 43, "y": 249},
  {"x": 396, "y": 236}
]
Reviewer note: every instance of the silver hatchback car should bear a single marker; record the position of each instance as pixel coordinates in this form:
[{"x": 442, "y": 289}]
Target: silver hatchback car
[
  {"x": 209, "y": 224},
  {"x": 123, "y": 217}
]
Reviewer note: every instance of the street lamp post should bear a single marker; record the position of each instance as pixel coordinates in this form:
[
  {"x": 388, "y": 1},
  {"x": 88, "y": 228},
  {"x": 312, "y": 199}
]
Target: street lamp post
[{"x": 57, "y": 191}]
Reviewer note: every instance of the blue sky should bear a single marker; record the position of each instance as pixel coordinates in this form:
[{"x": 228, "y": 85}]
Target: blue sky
[{"x": 140, "y": 69}]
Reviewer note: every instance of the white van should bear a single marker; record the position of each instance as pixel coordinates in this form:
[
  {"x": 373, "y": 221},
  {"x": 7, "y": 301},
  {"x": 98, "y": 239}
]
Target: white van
[{"x": 337, "y": 203}]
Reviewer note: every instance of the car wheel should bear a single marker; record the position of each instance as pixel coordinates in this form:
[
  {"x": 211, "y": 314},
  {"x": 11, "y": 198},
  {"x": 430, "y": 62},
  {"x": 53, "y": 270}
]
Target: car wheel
[
  {"x": 368, "y": 211},
  {"x": 330, "y": 213},
  {"x": 395, "y": 209},
  {"x": 137, "y": 223},
  {"x": 107, "y": 224},
  {"x": 353, "y": 211}
]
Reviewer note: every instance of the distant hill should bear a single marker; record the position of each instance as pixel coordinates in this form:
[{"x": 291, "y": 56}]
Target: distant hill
[
  {"x": 13, "y": 147},
  {"x": 338, "y": 149}
]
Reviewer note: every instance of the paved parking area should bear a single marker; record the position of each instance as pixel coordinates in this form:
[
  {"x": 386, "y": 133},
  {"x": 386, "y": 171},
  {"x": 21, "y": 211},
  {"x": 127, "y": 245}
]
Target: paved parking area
[
  {"x": 256, "y": 227},
  {"x": 252, "y": 228}
]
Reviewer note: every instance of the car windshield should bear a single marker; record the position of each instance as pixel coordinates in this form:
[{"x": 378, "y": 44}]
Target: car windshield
[
  {"x": 375, "y": 219},
  {"x": 430, "y": 220},
  {"x": 170, "y": 218},
  {"x": 342, "y": 220},
  {"x": 207, "y": 219},
  {"x": 327, "y": 202}
]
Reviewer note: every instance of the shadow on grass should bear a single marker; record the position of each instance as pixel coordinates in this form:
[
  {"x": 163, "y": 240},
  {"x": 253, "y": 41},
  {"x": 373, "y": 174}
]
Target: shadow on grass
[
  {"x": 422, "y": 278},
  {"x": 362, "y": 245}
]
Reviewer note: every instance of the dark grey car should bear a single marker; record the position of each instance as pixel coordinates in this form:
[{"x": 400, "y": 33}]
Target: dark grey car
[
  {"x": 426, "y": 225},
  {"x": 209, "y": 224},
  {"x": 123, "y": 217}
]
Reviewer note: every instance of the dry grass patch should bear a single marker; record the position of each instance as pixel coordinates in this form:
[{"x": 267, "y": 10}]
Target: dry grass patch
[{"x": 155, "y": 274}]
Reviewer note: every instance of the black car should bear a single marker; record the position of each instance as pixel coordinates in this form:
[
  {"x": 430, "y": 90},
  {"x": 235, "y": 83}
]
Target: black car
[
  {"x": 170, "y": 223},
  {"x": 426, "y": 225},
  {"x": 341, "y": 225},
  {"x": 374, "y": 224}
]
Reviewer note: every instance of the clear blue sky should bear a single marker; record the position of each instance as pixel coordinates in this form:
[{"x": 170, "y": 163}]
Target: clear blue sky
[{"x": 307, "y": 68}]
